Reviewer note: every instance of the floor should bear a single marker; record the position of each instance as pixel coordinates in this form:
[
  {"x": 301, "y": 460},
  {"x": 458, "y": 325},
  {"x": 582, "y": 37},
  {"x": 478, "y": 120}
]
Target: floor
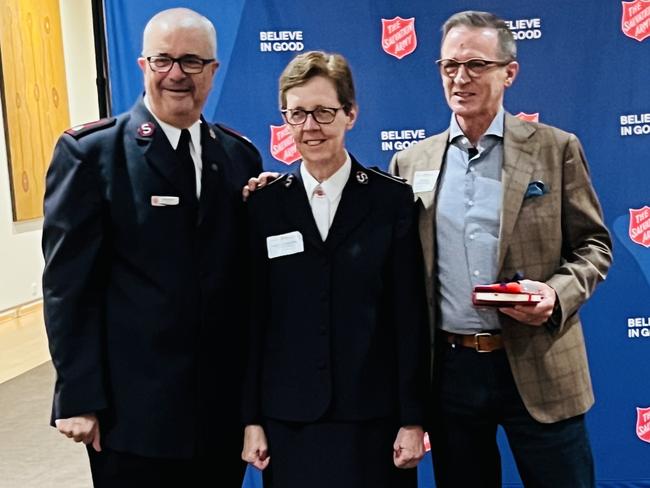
[
  {"x": 23, "y": 342},
  {"x": 32, "y": 454}
]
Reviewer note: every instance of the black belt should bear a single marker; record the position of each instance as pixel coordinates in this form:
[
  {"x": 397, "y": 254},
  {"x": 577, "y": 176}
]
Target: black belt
[{"x": 480, "y": 342}]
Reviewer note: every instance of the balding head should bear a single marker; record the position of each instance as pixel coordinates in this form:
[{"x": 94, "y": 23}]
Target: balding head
[
  {"x": 178, "y": 40},
  {"x": 178, "y": 19}
]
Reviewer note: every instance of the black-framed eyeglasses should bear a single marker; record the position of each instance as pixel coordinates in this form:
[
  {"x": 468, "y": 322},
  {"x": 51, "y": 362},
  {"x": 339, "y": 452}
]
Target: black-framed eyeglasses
[
  {"x": 190, "y": 65},
  {"x": 475, "y": 67},
  {"x": 298, "y": 116}
]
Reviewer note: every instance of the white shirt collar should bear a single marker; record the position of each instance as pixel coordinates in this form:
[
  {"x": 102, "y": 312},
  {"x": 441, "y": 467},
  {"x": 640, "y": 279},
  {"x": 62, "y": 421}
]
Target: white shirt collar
[
  {"x": 174, "y": 133},
  {"x": 332, "y": 186}
]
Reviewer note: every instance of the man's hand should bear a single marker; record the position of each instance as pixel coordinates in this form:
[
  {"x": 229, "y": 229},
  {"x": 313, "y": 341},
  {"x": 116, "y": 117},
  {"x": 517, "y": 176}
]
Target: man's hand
[
  {"x": 256, "y": 450},
  {"x": 536, "y": 314},
  {"x": 84, "y": 428},
  {"x": 408, "y": 447},
  {"x": 255, "y": 183}
]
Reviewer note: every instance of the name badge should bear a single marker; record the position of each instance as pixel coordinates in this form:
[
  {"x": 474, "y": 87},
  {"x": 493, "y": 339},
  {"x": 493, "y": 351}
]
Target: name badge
[
  {"x": 284, "y": 244},
  {"x": 425, "y": 180},
  {"x": 159, "y": 201}
]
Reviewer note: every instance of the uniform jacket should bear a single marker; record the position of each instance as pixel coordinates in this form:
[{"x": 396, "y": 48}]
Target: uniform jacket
[
  {"x": 142, "y": 302},
  {"x": 557, "y": 237},
  {"x": 339, "y": 330}
]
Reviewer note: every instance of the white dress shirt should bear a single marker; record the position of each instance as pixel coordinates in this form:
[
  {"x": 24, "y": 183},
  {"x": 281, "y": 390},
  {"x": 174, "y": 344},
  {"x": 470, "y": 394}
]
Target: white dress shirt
[
  {"x": 173, "y": 136},
  {"x": 324, "y": 197}
]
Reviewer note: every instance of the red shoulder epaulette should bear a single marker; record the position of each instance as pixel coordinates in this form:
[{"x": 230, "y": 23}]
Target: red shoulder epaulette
[
  {"x": 237, "y": 135},
  {"x": 81, "y": 130},
  {"x": 233, "y": 132}
]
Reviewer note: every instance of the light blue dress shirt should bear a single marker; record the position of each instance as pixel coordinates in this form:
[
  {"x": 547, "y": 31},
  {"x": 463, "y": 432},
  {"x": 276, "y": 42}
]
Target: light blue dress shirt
[{"x": 467, "y": 226}]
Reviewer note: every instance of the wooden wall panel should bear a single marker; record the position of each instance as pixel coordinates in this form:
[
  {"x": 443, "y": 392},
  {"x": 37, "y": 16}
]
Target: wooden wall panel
[{"x": 35, "y": 97}]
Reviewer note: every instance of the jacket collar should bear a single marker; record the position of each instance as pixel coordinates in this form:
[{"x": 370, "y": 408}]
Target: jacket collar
[{"x": 355, "y": 204}]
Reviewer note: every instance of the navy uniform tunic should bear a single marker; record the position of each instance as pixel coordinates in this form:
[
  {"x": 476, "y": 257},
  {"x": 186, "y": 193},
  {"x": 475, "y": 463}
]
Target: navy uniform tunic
[
  {"x": 339, "y": 340},
  {"x": 143, "y": 295}
]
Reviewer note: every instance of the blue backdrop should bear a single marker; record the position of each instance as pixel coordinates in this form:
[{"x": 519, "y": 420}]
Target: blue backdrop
[{"x": 585, "y": 67}]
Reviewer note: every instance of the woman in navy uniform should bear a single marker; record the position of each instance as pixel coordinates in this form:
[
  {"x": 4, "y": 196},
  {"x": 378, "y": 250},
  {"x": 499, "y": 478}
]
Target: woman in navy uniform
[{"x": 338, "y": 366}]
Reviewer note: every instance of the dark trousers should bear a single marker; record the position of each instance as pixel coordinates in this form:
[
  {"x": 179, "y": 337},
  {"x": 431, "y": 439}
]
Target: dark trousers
[
  {"x": 473, "y": 394},
  {"x": 112, "y": 469}
]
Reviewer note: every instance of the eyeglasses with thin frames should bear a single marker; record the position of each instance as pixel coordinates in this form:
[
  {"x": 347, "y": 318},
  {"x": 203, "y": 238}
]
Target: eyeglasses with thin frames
[
  {"x": 475, "y": 67},
  {"x": 190, "y": 65},
  {"x": 298, "y": 116}
]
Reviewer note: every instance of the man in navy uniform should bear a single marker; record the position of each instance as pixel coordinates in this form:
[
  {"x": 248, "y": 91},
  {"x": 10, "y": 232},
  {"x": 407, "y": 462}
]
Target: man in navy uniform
[{"x": 144, "y": 226}]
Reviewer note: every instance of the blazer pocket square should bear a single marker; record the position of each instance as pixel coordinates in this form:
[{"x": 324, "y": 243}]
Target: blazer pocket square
[{"x": 535, "y": 189}]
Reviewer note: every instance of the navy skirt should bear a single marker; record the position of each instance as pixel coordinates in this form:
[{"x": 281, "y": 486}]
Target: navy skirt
[{"x": 330, "y": 454}]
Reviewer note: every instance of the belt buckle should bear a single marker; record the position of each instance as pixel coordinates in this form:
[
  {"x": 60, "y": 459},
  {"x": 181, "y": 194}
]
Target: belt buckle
[{"x": 477, "y": 346}]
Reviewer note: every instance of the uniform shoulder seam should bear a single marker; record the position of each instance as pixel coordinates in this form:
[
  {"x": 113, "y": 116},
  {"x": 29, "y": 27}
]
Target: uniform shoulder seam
[
  {"x": 388, "y": 176},
  {"x": 81, "y": 130},
  {"x": 286, "y": 178},
  {"x": 282, "y": 177},
  {"x": 237, "y": 135}
]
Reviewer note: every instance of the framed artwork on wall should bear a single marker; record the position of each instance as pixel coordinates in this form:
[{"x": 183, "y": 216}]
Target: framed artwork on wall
[{"x": 34, "y": 97}]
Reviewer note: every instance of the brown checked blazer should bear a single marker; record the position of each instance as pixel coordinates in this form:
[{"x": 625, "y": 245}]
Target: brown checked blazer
[{"x": 558, "y": 238}]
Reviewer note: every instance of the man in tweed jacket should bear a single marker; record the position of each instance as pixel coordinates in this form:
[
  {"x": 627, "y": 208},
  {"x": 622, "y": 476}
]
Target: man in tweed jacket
[{"x": 500, "y": 197}]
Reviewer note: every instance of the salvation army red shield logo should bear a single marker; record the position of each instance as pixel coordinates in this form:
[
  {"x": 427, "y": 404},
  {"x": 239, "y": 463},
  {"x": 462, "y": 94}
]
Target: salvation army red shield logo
[
  {"x": 643, "y": 423},
  {"x": 398, "y": 36},
  {"x": 635, "y": 21},
  {"x": 528, "y": 117},
  {"x": 283, "y": 147},
  {"x": 640, "y": 225}
]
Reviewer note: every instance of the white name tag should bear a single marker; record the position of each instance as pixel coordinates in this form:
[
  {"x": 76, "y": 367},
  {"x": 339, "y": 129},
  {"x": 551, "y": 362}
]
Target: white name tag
[
  {"x": 284, "y": 244},
  {"x": 425, "y": 180},
  {"x": 158, "y": 201}
]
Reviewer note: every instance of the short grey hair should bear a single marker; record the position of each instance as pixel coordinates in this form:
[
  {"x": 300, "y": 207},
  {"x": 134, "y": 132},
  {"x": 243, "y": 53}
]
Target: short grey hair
[
  {"x": 182, "y": 18},
  {"x": 475, "y": 19}
]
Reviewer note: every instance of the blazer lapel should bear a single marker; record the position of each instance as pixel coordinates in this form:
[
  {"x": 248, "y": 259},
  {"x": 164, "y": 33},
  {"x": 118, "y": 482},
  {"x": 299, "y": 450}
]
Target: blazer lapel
[
  {"x": 297, "y": 210},
  {"x": 212, "y": 155},
  {"x": 155, "y": 148},
  {"x": 519, "y": 157},
  {"x": 353, "y": 207},
  {"x": 431, "y": 159}
]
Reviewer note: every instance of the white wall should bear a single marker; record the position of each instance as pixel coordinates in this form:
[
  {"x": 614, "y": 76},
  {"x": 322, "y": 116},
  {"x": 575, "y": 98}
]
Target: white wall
[
  {"x": 21, "y": 261},
  {"x": 79, "y": 53}
]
